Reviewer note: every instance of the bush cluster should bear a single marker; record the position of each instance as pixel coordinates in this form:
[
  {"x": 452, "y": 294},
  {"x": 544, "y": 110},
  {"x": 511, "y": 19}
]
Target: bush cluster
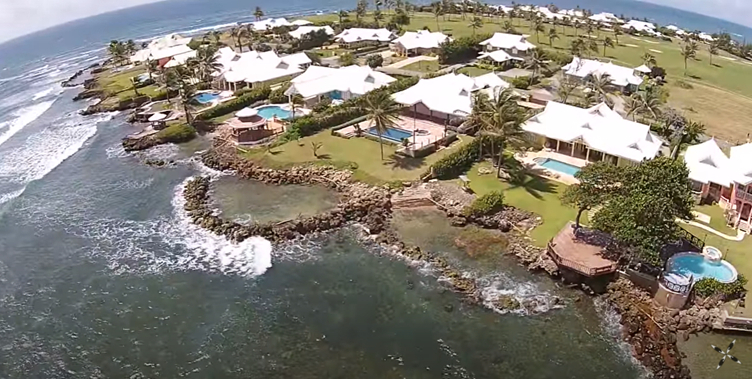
[
  {"x": 176, "y": 133},
  {"x": 278, "y": 96},
  {"x": 457, "y": 162},
  {"x": 234, "y": 105},
  {"x": 520, "y": 82},
  {"x": 461, "y": 49},
  {"x": 728, "y": 291},
  {"x": 487, "y": 204}
]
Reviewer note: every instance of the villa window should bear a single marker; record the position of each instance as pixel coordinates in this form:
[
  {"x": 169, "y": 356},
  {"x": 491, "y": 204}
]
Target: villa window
[{"x": 696, "y": 186}]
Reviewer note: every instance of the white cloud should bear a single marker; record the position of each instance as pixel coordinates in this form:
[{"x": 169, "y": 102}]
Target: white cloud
[
  {"x": 737, "y": 11},
  {"x": 19, "y": 17}
]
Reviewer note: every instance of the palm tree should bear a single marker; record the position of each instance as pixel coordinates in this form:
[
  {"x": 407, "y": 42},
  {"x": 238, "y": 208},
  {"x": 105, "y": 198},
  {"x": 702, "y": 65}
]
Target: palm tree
[
  {"x": 592, "y": 46},
  {"x": 117, "y": 50},
  {"x": 552, "y": 35},
  {"x": 247, "y": 34},
  {"x": 294, "y": 100},
  {"x": 598, "y": 85},
  {"x": 649, "y": 60},
  {"x": 508, "y": 28},
  {"x": 437, "y": 11},
  {"x": 258, "y": 13},
  {"x": 566, "y": 87},
  {"x": 632, "y": 105},
  {"x": 534, "y": 62},
  {"x": 589, "y": 27},
  {"x": 216, "y": 36},
  {"x": 235, "y": 33},
  {"x": 475, "y": 24},
  {"x": 538, "y": 27},
  {"x": 207, "y": 62},
  {"x": 342, "y": 15},
  {"x": 169, "y": 82},
  {"x": 576, "y": 25},
  {"x": 382, "y": 113},
  {"x": 186, "y": 91},
  {"x": 648, "y": 101},
  {"x": 130, "y": 47},
  {"x": 689, "y": 133},
  {"x": 607, "y": 42},
  {"x": 577, "y": 47},
  {"x": 378, "y": 16},
  {"x": 689, "y": 50},
  {"x": 502, "y": 118},
  {"x": 713, "y": 50},
  {"x": 617, "y": 33}
]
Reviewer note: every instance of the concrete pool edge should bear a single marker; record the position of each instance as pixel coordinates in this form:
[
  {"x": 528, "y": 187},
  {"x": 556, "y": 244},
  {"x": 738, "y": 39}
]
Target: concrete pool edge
[{"x": 734, "y": 272}]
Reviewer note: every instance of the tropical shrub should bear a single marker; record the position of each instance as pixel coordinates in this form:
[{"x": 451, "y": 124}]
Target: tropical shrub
[
  {"x": 487, "y": 204},
  {"x": 374, "y": 60},
  {"x": 728, "y": 291},
  {"x": 457, "y": 162},
  {"x": 278, "y": 96},
  {"x": 322, "y": 105},
  {"x": 461, "y": 49},
  {"x": 176, "y": 133},
  {"x": 561, "y": 58},
  {"x": 316, "y": 38},
  {"x": 520, "y": 82},
  {"x": 234, "y": 105},
  {"x": 346, "y": 59}
]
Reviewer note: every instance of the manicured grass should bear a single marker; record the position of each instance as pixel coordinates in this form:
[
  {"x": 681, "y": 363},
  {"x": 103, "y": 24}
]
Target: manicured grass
[
  {"x": 531, "y": 193},
  {"x": 360, "y": 151},
  {"x": 473, "y": 71},
  {"x": 114, "y": 83},
  {"x": 726, "y": 85},
  {"x": 717, "y": 220},
  {"x": 423, "y": 66},
  {"x": 738, "y": 253}
]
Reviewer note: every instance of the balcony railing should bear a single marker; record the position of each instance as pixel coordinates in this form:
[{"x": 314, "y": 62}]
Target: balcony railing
[
  {"x": 675, "y": 287},
  {"x": 745, "y": 196}
]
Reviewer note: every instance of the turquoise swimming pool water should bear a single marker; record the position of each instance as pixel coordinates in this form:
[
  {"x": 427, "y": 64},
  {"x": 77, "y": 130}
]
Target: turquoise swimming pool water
[
  {"x": 392, "y": 134},
  {"x": 206, "y": 97},
  {"x": 270, "y": 111},
  {"x": 700, "y": 268},
  {"x": 553, "y": 164}
]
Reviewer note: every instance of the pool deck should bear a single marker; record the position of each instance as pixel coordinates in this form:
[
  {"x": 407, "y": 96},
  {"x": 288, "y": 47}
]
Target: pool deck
[
  {"x": 528, "y": 159},
  {"x": 581, "y": 254},
  {"x": 428, "y": 132}
]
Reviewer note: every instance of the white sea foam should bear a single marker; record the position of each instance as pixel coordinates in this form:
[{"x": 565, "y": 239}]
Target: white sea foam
[
  {"x": 42, "y": 94},
  {"x": 207, "y": 28},
  {"x": 611, "y": 327},
  {"x": 24, "y": 116},
  {"x": 45, "y": 150},
  {"x": 533, "y": 299},
  {"x": 6, "y": 197}
]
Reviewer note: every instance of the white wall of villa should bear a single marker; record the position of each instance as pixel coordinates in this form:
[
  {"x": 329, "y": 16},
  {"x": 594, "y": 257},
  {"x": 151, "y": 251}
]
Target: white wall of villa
[
  {"x": 514, "y": 44},
  {"x": 254, "y": 68},
  {"x": 623, "y": 78},
  {"x": 593, "y": 134},
  {"x": 420, "y": 42}
]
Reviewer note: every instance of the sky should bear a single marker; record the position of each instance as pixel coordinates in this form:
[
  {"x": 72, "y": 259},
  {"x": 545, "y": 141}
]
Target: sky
[{"x": 19, "y": 17}]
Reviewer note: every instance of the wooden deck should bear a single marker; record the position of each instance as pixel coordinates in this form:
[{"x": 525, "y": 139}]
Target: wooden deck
[{"x": 578, "y": 255}]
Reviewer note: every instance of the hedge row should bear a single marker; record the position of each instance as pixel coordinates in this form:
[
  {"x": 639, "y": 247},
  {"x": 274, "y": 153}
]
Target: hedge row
[
  {"x": 458, "y": 162},
  {"x": 236, "y": 104},
  {"x": 728, "y": 291},
  {"x": 176, "y": 133},
  {"x": 487, "y": 204}
]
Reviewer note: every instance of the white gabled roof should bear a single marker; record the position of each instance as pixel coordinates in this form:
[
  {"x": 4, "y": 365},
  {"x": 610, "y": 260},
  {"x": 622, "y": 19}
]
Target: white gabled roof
[
  {"x": 450, "y": 93},
  {"x": 706, "y": 37},
  {"x": 303, "y": 30},
  {"x": 180, "y": 59},
  {"x": 640, "y": 26},
  {"x": 358, "y": 80},
  {"x": 422, "y": 39},
  {"x": 741, "y": 162},
  {"x": 498, "y": 56},
  {"x": 707, "y": 163},
  {"x": 169, "y": 52},
  {"x": 673, "y": 27},
  {"x": 509, "y": 41},
  {"x": 644, "y": 69},
  {"x": 599, "y": 127},
  {"x": 619, "y": 75},
  {"x": 606, "y": 17},
  {"x": 301, "y": 22},
  {"x": 256, "y": 66},
  {"x": 269, "y": 23},
  {"x": 361, "y": 34},
  {"x": 572, "y": 12}
]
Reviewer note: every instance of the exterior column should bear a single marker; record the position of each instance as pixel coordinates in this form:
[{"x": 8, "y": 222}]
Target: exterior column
[
  {"x": 557, "y": 145},
  {"x": 587, "y": 155},
  {"x": 573, "y": 143}
]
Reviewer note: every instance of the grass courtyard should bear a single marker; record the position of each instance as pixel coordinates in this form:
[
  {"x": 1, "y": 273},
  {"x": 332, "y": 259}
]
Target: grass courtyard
[
  {"x": 423, "y": 66},
  {"x": 725, "y": 85},
  {"x": 360, "y": 152},
  {"x": 118, "y": 84}
]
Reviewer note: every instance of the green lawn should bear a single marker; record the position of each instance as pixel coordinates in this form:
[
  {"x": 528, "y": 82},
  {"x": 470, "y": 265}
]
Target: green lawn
[
  {"x": 423, "y": 66},
  {"x": 342, "y": 152},
  {"x": 738, "y": 253},
  {"x": 531, "y": 193},
  {"x": 727, "y": 84},
  {"x": 717, "y": 220},
  {"x": 473, "y": 71}
]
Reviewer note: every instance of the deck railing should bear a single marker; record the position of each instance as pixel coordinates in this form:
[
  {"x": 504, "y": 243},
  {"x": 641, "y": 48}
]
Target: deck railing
[
  {"x": 588, "y": 271},
  {"x": 675, "y": 287}
]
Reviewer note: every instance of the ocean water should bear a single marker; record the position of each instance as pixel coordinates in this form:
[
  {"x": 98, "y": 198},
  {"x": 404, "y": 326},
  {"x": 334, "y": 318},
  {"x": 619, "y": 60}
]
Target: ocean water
[{"x": 102, "y": 275}]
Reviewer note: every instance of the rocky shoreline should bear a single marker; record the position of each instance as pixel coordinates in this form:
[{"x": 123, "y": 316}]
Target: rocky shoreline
[{"x": 652, "y": 331}]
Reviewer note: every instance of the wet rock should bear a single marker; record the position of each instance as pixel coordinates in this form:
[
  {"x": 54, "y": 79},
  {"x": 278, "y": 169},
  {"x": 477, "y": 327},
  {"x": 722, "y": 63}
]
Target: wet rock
[
  {"x": 506, "y": 302},
  {"x": 449, "y": 308}
]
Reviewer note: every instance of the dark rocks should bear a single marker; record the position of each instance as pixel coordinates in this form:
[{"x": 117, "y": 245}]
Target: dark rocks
[
  {"x": 506, "y": 302},
  {"x": 449, "y": 308},
  {"x": 143, "y": 143},
  {"x": 88, "y": 93}
]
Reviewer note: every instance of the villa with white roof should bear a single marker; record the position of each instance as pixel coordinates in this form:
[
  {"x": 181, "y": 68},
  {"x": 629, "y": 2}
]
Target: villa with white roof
[
  {"x": 641, "y": 26},
  {"x": 303, "y": 30},
  {"x": 593, "y": 134},
  {"x": 356, "y": 37},
  {"x": 727, "y": 180},
  {"x": 254, "y": 68},
  {"x": 606, "y": 18},
  {"x": 513, "y": 44},
  {"x": 163, "y": 49},
  {"x": 624, "y": 78},
  {"x": 447, "y": 96},
  {"x": 342, "y": 83},
  {"x": 418, "y": 43}
]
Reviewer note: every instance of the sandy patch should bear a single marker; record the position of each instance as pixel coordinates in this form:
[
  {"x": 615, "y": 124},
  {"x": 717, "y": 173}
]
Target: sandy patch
[
  {"x": 653, "y": 42},
  {"x": 630, "y": 45},
  {"x": 656, "y": 51},
  {"x": 729, "y": 58}
]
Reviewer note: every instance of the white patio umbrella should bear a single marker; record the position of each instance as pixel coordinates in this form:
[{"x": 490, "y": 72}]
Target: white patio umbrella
[
  {"x": 246, "y": 112},
  {"x": 157, "y": 117}
]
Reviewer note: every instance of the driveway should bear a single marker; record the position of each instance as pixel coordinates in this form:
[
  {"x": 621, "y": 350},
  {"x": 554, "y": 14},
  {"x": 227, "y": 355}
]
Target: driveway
[{"x": 411, "y": 60}]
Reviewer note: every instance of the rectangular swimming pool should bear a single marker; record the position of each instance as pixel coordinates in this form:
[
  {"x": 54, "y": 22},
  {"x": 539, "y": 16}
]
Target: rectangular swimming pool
[
  {"x": 554, "y": 165},
  {"x": 392, "y": 134}
]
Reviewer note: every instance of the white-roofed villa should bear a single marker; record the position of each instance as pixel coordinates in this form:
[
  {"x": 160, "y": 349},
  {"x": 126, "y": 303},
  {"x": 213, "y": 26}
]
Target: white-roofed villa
[
  {"x": 623, "y": 78},
  {"x": 578, "y": 136},
  {"x": 513, "y": 44},
  {"x": 254, "y": 68},
  {"x": 419, "y": 43},
  {"x": 338, "y": 84},
  {"x": 716, "y": 177},
  {"x": 303, "y": 30},
  {"x": 357, "y": 37}
]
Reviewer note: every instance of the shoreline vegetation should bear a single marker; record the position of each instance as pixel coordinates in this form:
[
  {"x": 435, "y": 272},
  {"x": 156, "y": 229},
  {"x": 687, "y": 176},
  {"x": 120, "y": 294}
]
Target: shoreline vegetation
[{"x": 529, "y": 209}]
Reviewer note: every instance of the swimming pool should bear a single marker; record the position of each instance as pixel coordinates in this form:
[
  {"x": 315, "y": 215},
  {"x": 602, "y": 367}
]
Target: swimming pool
[
  {"x": 700, "y": 267},
  {"x": 554, "y": 165},
  {"x": 269, "y": 111},
  {"x": 392, "y": 134},
  {"x": 206, "y": 97}
]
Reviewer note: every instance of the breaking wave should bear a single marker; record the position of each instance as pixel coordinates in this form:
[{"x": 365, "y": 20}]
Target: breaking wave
[
  {"x": 532, "y": 299},
  {"x": 24, "y": 116}
]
